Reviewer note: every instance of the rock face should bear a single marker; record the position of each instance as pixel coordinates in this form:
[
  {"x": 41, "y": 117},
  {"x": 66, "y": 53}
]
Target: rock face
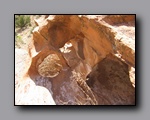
[
  {"x": 84, "y": 60},
  {"x": 110, "y": 82},
  {"x": 26, "y": 91}
]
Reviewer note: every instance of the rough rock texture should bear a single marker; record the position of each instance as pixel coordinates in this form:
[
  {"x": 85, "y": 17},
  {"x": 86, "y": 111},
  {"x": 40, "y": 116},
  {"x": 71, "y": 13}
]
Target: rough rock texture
[
  {"x": 124, "y": 29},
  {"x": 120, "y": 19},
  {"x": 50, "y": 66},
  {"x": 110, "y": 82},
  {"x": 86, "y": 59},
  {"x": 26, "y": 91}
]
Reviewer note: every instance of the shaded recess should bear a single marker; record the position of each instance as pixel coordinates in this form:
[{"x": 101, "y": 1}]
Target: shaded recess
[{"x": 110, "y": 82}]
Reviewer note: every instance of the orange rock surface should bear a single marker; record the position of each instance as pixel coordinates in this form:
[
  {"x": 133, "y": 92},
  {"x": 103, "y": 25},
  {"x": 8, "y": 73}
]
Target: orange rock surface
[{"x": 94, "y": 57}]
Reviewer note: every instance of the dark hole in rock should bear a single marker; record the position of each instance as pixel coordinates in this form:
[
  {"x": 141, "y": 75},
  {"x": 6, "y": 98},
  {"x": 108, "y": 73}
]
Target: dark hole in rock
[{"x": 110, "y": 82}]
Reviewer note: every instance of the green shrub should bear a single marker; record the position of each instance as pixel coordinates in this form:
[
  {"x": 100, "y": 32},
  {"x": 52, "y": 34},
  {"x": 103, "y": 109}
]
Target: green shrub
[
  {"x": 18, "y": 41},
  {"x": 22, "y": 20}
]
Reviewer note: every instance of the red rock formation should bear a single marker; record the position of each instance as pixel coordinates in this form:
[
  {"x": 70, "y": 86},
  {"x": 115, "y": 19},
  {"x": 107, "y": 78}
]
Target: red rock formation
[
  {"x": 82, "y": 44},
  {"x": 110, "y": 82},
  {"x": 120, "y": 19}
]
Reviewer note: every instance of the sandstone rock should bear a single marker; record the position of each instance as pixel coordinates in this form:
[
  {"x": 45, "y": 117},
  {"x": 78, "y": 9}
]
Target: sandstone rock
[
  {"x": 66, "y": 48},
  {"x": 27, "y": 93},
  {"x": 39, "y": 41},
  {"x": 110, "y": 82},
  {"x": 50, "y": 67},
  {"x": 132, "y": 76},
  {"x": 63, "y": 28},
  {"x": 120, "y": 19},
  {"x": 124, "y": 34},
  {"x": 22, "y": 64}
]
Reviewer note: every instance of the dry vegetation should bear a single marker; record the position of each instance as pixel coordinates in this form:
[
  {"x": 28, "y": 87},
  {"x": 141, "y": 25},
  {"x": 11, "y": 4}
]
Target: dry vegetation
[{"x": 24, "y": 25}]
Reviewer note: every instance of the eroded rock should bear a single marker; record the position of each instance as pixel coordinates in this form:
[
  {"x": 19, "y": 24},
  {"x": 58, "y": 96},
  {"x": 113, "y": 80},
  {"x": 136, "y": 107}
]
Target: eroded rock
[
  {"x": 50, "y": 66},
  {"x": 28, "y": 93},
  {"x": 68, "y": 48},
  {"x": 110, "y": 82}
]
